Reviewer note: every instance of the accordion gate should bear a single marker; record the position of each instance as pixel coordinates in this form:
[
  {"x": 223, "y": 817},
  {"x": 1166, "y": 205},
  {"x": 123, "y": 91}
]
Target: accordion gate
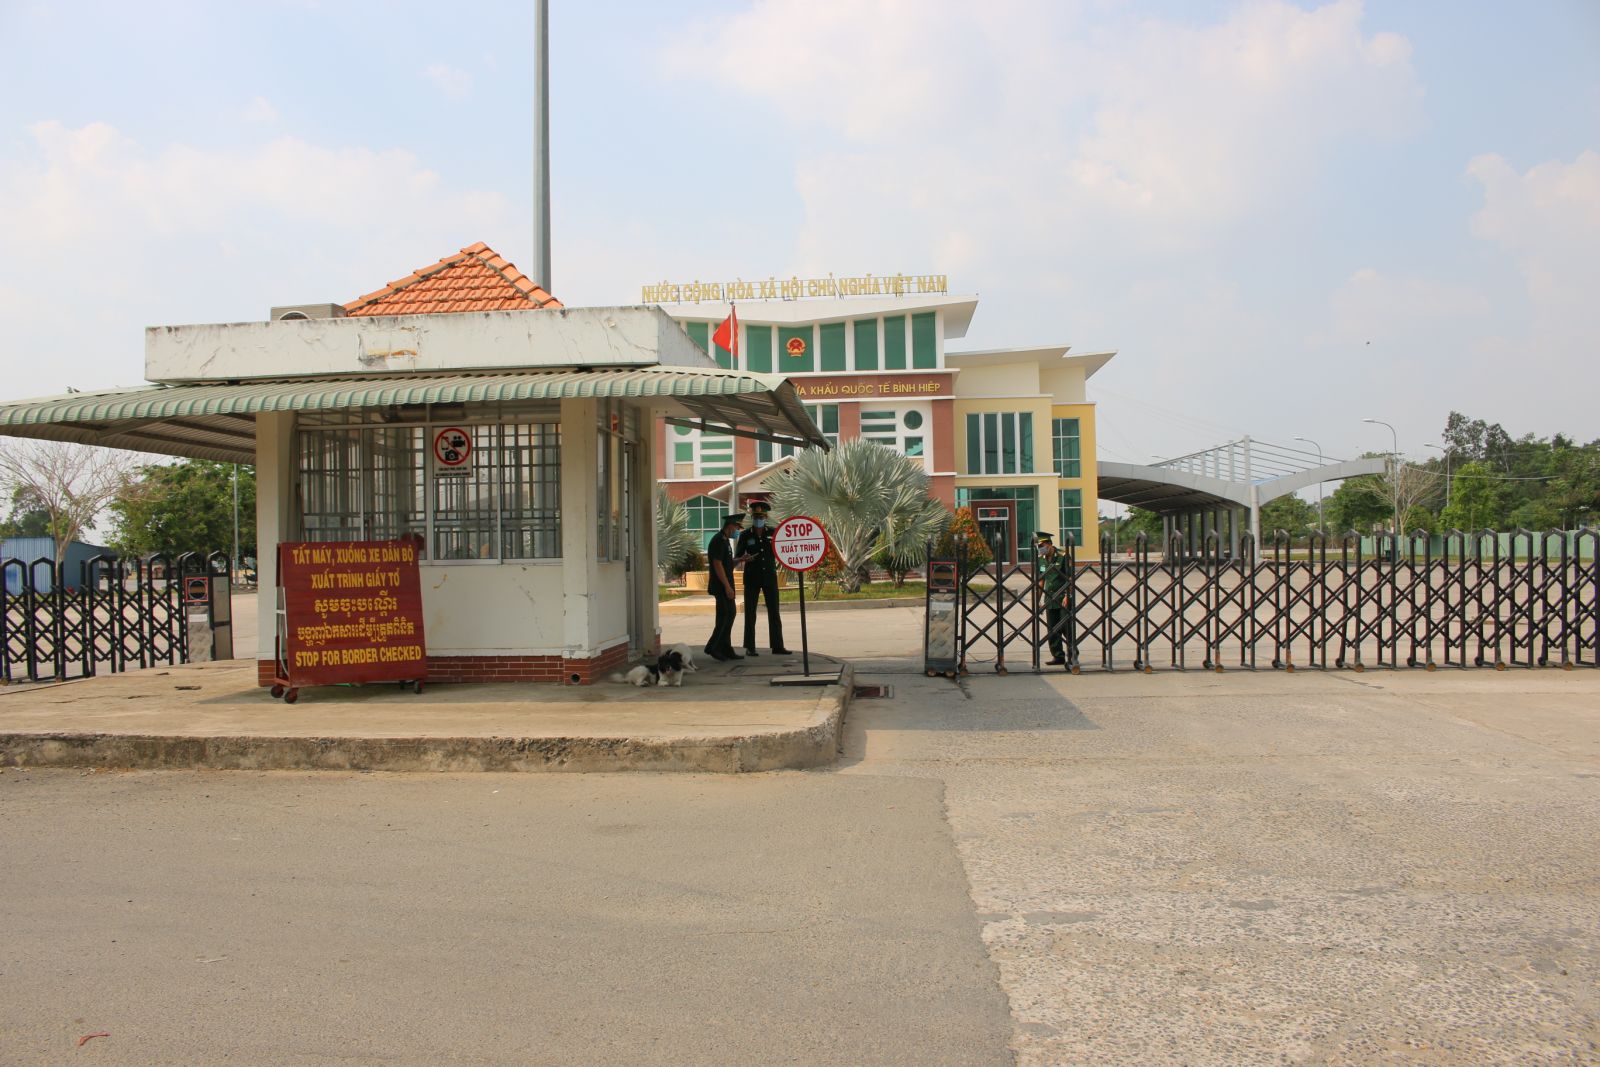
[
  {"x": 114, "y": 615},
  {"x": 1536, "y": 605}
]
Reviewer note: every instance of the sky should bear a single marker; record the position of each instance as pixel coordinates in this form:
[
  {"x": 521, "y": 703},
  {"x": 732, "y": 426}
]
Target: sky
[{"x": 1285, "y": 217}]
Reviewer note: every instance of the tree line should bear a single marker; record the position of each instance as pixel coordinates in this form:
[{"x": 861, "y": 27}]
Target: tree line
[
  {"x": 1479, "y": 477},
  {"x": 62, "y": 491}
]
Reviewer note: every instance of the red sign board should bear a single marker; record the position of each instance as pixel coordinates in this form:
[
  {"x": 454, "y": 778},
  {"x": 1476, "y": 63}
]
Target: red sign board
[
  {"x": 800, "y": 542},
  {"x": 196, "y": 590},
  {"x": 352, "y": 611}
]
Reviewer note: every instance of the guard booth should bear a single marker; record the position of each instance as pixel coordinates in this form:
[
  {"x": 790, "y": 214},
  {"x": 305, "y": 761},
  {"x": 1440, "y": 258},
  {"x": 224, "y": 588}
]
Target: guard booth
[{"x": 463, "y": 407}]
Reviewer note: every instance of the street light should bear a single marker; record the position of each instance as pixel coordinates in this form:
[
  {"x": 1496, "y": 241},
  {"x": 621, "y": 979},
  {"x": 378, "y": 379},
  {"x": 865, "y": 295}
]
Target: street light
[
  {"x": 1394, "y": 477},
  {"x": 1318, "y": 447},
  {"x": 1446, "y": 452}
]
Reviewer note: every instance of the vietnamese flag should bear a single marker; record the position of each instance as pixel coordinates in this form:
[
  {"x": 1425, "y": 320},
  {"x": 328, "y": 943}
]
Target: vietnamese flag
[{"x": 727, "y": 335}]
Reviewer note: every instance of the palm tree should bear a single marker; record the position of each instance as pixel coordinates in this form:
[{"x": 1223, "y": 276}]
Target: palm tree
[
  {"x": 912, "y": 523},
  {"x": 674, "y": 540},
  {"x": 867, "y": 497}
]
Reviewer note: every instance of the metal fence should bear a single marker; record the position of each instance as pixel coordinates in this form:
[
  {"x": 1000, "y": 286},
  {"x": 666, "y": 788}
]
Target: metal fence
[
  {"x": 59, "y": 621},
  {"x": 1532, "y": 600}
]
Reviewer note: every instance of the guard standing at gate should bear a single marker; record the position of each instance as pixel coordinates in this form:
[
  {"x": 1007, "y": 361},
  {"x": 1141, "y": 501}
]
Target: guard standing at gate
[
  {"x": 760, "y": 580},
  {"x": 1054, "y": 578},
  {"x": 719, "y": 583}
]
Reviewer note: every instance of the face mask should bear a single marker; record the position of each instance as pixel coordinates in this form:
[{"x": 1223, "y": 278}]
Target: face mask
[{"x": 761, "y": 524}]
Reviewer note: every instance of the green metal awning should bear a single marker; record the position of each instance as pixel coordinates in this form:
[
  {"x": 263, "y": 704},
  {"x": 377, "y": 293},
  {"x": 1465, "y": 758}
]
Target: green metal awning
[{"x": 217, "y": 420}]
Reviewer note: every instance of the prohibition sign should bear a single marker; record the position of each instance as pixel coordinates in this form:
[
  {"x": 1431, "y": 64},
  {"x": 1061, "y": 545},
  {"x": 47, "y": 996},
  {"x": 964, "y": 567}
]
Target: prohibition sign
[
  {"x": 452, "y": 447},
  {"x": 800, "y": 542}
]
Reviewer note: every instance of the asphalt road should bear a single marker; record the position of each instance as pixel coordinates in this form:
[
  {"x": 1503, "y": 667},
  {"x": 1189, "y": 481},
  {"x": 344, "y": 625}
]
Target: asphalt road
[
  {"x": 232, "y": 917},
  {"x": 1385, "y": 868}
]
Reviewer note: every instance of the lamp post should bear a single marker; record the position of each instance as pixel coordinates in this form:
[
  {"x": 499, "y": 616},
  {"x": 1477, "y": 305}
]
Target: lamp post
[
  {"x": 1318, "y": 447},
  {"x": 1446, "y": 452},
  {"x": 1394, "y": 478}
]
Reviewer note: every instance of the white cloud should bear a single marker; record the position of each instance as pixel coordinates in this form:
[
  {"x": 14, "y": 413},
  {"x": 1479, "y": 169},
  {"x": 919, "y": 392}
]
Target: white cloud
[
  {"x": 454, "y": 84},
  {"x": 260, "y": 112},
  {"x": 1176, "y": 127},
  {"x": 1548, "y": 221},
  {"x": 103, "y": 236},
  {"x": 1373, "y": 305}
]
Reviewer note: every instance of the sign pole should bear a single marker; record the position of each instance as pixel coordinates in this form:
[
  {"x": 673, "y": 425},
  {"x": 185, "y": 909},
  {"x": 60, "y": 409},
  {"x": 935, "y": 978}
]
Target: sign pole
[
  {"x": 805, "y": 645},
  {"x": 800, "y": 543}
]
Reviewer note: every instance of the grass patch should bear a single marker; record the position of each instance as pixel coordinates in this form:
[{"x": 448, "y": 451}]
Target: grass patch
[
  {"x": 790, "y": 594},
  {"x": 869, "y": 591}
]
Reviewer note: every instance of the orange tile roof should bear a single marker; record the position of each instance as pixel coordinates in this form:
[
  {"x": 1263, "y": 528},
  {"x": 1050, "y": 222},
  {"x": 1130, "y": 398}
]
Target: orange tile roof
[{"x": 474, "y": 279}]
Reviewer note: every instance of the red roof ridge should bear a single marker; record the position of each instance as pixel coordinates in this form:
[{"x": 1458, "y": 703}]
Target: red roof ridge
[{"x": 477, "y": 278}]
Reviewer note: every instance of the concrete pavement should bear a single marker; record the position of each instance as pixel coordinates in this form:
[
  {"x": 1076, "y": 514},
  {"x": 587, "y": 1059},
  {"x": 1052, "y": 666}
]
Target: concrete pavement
[
  {"x": 1391, "y": 867},
  {"x": 725, "y": 717}
]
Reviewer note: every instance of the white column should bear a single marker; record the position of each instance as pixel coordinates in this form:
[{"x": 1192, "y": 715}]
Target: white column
[
  {"x": 275, "y": 518},
  {"x": 580, "y": 568},
  {"x": 647, "y": 606}
]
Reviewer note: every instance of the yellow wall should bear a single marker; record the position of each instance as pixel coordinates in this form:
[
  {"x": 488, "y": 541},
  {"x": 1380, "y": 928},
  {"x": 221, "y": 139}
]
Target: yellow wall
[
  {"x": 1089, "y": 481},
  {"x": 999, "y": 379},
  {"x": 977, "y": 386}
]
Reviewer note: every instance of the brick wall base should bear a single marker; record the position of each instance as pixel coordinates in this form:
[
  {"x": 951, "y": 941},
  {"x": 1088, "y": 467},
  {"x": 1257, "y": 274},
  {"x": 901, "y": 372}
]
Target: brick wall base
[{"x": 558, "y": 669}]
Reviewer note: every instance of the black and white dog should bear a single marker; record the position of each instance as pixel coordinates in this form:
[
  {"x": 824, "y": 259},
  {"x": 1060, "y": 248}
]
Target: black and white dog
[
  {"x": 666, "y": 670},
  {"x": 688, "y": 656}
]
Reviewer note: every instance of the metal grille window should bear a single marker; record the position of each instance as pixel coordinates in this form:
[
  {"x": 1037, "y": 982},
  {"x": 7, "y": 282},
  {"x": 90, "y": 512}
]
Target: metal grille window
[
  {"x": 530, "y": 491},
  {"x": 399, "y": 481},
  {"x": 1065, "y": 443},
  {"x": 332, "y": 500},
  {"x": 466, "y": 508},
  {"x": 377, "y": 482},
  {"x": 1000, "y": 442},
  {"x": 1070, "y": 519},
  {"x": 826, "y": 417}
]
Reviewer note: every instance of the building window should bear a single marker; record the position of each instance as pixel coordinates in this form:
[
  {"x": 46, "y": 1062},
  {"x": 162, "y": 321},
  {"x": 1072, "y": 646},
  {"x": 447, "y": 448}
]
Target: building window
[
  {"x": 1070, "y": 520},
  {"x": 699, "y": 453},
  {"x": 758, "y": 348},
  {"x": 903, "y": 430},
  {"x": 1000, "y": 442},
  {"x": 705, "y": 518},
  {"x": 716, "y": 456},
  {"x": 826, "y": 416},
  {"x": 866, "y": 339},
  {"x": 925, "y": 341},
  {"x": 1064, "y": 437},
  {"x": 831, "y": 357},
  {"x": 894, "y": 342},
  {"x": 358, "y": 482}
]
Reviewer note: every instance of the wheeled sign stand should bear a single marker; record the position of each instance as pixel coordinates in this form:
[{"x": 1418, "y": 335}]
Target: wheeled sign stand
[{"x": 347, "y": 613}]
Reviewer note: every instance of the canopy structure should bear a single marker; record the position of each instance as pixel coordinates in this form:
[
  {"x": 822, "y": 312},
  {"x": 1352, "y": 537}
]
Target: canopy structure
[{"x": 216, "y": 421}]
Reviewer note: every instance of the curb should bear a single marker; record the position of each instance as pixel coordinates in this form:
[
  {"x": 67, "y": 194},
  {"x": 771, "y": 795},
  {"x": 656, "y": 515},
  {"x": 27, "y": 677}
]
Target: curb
[{"x": 813, "y": 745}]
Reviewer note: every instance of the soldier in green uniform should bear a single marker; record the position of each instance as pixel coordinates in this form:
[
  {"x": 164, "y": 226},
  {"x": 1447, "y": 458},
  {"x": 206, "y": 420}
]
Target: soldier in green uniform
[{"x": 1054, "y": 578}]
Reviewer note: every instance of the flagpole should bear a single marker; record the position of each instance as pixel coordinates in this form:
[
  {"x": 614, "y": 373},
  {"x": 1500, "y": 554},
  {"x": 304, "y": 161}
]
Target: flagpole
[{"x": 733, "y": 355}]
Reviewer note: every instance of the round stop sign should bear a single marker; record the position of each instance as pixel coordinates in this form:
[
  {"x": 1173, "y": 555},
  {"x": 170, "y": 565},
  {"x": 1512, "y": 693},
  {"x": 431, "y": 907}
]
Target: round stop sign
[{"x": 799, "y": 542}]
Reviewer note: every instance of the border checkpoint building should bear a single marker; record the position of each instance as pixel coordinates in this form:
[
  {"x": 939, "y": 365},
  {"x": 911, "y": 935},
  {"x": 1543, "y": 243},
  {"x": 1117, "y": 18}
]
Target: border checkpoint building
[{"x": 1007, "y": 432}]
